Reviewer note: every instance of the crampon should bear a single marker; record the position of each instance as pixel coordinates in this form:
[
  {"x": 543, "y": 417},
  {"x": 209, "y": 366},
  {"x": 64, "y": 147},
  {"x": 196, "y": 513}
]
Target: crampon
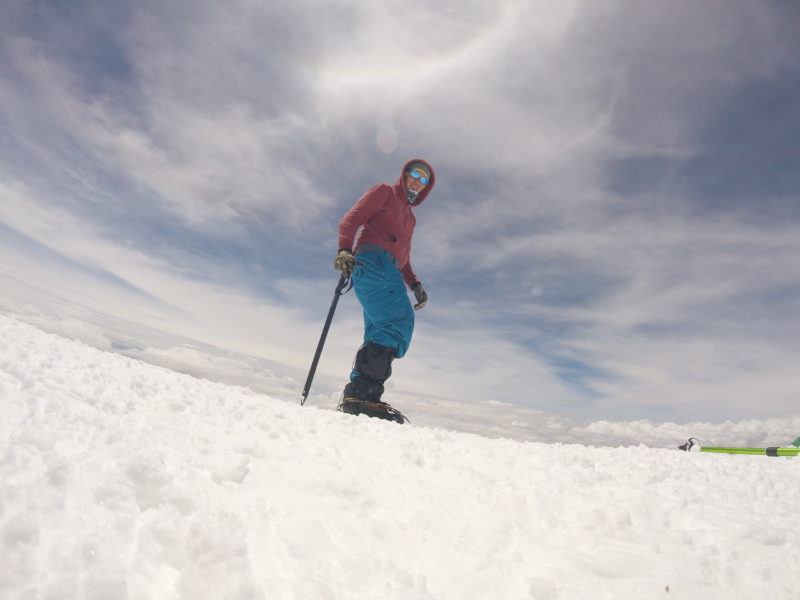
[{"x": 378, "y": 410}]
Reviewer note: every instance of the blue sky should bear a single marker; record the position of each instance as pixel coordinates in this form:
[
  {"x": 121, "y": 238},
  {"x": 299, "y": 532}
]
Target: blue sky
[{"x": 615, "y": 230}]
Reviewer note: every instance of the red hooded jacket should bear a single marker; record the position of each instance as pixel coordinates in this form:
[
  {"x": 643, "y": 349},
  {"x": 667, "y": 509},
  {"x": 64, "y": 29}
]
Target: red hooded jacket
[{"x": 388, "y": 220}]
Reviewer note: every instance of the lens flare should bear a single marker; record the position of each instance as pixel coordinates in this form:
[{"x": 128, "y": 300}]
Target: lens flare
[{"x": 387, "y": 139}]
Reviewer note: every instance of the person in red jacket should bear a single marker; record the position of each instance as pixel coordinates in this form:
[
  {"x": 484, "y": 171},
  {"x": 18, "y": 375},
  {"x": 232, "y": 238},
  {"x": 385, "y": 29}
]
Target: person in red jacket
[{"x": 378, "y": 260}]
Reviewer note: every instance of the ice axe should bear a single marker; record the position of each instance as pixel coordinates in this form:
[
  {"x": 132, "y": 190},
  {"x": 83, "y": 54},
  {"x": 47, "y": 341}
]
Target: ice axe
[{"x": 340, "y": 290}]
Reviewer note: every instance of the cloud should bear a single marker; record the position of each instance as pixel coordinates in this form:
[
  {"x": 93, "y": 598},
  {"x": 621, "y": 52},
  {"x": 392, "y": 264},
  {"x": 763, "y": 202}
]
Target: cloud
[{"x": 614, "y": 224}]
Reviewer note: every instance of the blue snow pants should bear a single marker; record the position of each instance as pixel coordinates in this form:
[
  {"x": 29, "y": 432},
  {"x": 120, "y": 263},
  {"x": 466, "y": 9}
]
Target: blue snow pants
[{"x": 379, "y": 287}]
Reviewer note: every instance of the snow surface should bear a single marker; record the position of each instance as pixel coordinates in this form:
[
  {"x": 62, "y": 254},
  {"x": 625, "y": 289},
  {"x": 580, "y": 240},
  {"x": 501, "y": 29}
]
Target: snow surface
[{"x": 120, "y": 479}]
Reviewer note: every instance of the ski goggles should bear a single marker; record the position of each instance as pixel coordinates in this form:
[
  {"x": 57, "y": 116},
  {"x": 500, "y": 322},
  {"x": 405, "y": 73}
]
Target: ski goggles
[{"x": 417, "y": 174}]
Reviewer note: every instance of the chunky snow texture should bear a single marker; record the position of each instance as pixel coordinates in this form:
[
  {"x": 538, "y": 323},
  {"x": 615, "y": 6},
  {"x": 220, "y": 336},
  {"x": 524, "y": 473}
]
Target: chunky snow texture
[{"x": 120, "y": 480}]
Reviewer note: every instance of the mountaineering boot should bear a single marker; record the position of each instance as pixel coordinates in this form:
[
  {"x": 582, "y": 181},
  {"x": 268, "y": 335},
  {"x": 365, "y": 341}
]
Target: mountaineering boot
[{"x": 362, "y": 396}]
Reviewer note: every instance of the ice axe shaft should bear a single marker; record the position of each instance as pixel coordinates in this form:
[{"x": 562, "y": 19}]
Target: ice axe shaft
[{"x": 343, "y": 280}]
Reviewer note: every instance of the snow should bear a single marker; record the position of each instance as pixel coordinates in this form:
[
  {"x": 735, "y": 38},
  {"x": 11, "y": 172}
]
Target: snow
[{"x": 120, "y": 479}]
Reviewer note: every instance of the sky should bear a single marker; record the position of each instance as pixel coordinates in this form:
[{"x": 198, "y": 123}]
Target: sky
[{"x": 614, "y": 231}]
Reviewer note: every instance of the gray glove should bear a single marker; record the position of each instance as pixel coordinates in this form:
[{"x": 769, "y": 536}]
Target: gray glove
[
  {"x": 344, "y": 262},
  {"x": 420, "y": 294}
]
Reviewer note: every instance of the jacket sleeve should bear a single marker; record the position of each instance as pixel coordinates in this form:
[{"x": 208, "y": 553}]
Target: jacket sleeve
[
  {"x": 408, "y": 275},
  {"x": 361, "y": 212}
]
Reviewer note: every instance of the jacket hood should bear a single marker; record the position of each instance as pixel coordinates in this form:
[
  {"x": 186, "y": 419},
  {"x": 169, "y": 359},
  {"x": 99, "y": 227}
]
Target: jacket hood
[{"x": 402, "y": 180}]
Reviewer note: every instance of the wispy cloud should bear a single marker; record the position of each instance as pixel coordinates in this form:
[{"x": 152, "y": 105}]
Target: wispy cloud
[{"x": 615, "y": 222}]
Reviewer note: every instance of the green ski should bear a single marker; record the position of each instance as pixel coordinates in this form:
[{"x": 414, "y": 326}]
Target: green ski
[{"x": 770, "y": 451}]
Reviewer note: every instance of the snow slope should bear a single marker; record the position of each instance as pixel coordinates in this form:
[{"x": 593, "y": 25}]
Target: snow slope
[{"x": 120, "y": 479}]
